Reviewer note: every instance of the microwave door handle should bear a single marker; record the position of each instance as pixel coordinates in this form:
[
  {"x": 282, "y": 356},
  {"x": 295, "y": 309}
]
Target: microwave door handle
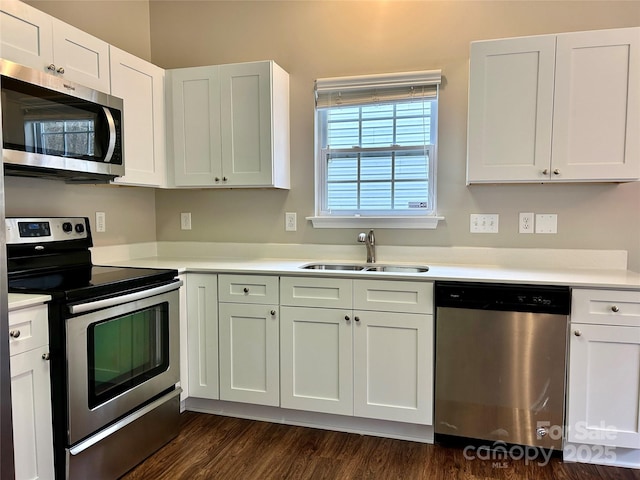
[
  {"x": 112, "y": 134},
  {"x": 131, "y": 297}
]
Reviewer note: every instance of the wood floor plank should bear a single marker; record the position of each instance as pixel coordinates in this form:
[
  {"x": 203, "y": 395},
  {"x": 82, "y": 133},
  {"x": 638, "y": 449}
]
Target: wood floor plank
[{"x": 214, "y": 447}]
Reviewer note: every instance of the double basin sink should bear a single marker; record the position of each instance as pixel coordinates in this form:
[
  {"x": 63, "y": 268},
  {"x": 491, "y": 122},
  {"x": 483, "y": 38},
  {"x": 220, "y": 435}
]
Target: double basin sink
[{"x": 367, "y": 267}]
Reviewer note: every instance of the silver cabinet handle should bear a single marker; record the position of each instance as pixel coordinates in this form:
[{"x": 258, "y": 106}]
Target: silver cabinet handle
[
  {"x": 45, "y": 356},
  {"x": 545, "y": 171},
  {"x": 347, "y": 318},
  {"x": 53, "y": 68},
  {"x": 577, "y": 333},
  {"x": 224, "y": 179},
  {"x": 556, "y": 171},
  {"x": 357, "y": 319},
  {"x": 217, "y": 179},
  {"x": 273, "y": 313},
  {"x": 14, "y": 333},
  {"x": 245, "y": 290},
  {"x": 615, "y": 308}
]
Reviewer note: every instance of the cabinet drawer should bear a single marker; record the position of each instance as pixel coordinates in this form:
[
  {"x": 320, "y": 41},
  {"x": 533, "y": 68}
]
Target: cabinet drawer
[
  {"x": 28, "y": 329},
  {"x": 316, "y": 292},
  {"x": 248, "y": 289},
  {"x": 390, "y": 296},
  {"x": 606, "y": 307}
]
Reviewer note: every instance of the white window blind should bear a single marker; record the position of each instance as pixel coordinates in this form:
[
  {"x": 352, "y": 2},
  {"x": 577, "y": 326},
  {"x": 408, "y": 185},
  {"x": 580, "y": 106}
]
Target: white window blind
[{"x": 376, "y": 138}]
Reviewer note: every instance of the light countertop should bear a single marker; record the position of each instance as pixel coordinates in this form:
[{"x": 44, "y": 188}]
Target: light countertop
[
  {"x": 585, "y": 278},
  {"x": 23, "y": 300}
]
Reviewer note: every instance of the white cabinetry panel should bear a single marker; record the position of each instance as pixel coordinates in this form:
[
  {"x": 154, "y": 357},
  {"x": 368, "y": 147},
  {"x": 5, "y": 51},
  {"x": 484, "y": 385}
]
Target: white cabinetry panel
[
  {"x": 141, "y": 85},
  {"x": 202, "y": 326}
]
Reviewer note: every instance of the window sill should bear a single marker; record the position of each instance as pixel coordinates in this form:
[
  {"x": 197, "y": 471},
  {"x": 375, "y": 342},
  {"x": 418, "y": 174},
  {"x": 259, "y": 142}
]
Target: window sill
[{"x": 409, "y": 222}]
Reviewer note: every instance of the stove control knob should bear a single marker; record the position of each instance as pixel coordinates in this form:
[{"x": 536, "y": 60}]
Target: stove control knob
[
  {"x": 67, "y": 227},
  {"x": 79, "y": 227}
]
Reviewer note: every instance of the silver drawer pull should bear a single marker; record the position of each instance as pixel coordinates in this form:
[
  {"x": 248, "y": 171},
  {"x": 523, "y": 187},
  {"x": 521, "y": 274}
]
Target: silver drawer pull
[
  {"x": 245, "y": 290},
  {"x": 577, "y": 333},
  {"x": 273, "y": 313},
  {"x": 45, "y": 356},
  {"x": 14, "y": 333},
  {"x": 615, "y": 309}
]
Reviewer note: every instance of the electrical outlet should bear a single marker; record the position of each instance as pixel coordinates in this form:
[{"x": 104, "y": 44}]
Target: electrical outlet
[
  {"x": 546, "y": 223},
  {"x": 290, "y": 222},
  {"x": 101, "y": 222},
  {"x": 185, "y": 221},
  {"x": 483, "y": 223},
  {"x": 526, "y": 223}
]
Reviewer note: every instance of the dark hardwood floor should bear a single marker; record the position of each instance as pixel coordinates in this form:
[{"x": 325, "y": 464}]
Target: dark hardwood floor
[{"x": 215, "y": 447}]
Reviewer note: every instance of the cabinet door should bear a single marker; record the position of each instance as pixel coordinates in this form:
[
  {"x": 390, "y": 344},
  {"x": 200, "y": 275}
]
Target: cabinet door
[
  {"x": 202, "y": 324},
  {"x": 141, "y": 85},
  {"x": 25, "y": 35},
  {"x": 316, "y": 359},
  {"x": 604, "y": 399},
  {"x": 31, "y": 407},
  {"x": 245, "y": 110},
  {"x": 393, "y": 366},
  {"x": 249, "y": 360},
  {"x": 84, "y": 58},
  {"x": 510, "y": 109},
  {"x": 195, "y": 96},
  {"x": 597, "y": 105}
]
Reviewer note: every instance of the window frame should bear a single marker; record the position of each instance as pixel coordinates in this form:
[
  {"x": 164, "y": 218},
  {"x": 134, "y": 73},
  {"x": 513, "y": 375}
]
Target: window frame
[{"x": 405, "y": 218}]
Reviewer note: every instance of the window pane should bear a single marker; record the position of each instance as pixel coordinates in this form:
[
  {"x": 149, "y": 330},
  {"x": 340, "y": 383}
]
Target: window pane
[
  {"x": 375, "y": 168},
  {"x": 342, "y": 169},
  {"x": 412, "y": 166},
  {"x": 375, "y": 196},
  {"x": 411, "y": 195},
  {"x": 342, "y": 196}
]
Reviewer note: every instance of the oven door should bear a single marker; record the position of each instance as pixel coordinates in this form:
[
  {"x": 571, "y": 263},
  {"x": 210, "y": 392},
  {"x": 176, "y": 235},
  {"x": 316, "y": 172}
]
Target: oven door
[{"x": 120, "y": 357}]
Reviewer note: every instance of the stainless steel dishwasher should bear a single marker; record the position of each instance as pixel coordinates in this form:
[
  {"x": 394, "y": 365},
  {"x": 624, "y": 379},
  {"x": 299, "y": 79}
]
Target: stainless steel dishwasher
[{"x": 500, "y": 363}]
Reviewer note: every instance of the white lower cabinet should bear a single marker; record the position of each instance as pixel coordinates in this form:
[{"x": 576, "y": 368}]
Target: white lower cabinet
[
  {"x": 202, "y": 335},
  {"x": 31, "y": 393},
  {"x": 375, "y": 363},
  {"x": 249, "y": 339},
  {"x": 393, "y": 366},
  {"x": 316, "y": 359},
  {"x": 603, "y": 407}
]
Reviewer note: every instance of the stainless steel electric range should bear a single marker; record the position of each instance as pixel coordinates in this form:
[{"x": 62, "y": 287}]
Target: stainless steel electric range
[{"x": 114, "y": 347}]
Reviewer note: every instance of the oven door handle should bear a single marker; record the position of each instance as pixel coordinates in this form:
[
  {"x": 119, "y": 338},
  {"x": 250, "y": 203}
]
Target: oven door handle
[{"x": 130, "y": 297}]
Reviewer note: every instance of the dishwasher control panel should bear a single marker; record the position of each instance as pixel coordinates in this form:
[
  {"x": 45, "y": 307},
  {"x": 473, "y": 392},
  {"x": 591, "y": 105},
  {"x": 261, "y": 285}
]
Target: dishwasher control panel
[{"x": 504, "y": 297}]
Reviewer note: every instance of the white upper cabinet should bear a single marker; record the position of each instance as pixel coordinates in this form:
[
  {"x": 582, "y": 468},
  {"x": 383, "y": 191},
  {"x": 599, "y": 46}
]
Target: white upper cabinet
[
  {"x": 596, "y": 121},
  {"x": 230, "y": 125},
  {"x": 35, "y": 39},
  {"x": 560, "y": 108},
  {"x": 141, "y": 85},
  {"x": 25, "y": 35}
]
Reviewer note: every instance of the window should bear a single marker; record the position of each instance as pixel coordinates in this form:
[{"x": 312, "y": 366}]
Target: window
[{"x": 376, "y": 150}]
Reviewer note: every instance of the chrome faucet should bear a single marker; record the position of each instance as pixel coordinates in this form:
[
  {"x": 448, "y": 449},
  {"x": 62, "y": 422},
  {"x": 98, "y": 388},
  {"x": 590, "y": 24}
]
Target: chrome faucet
[{"x": 369, "y": 240}]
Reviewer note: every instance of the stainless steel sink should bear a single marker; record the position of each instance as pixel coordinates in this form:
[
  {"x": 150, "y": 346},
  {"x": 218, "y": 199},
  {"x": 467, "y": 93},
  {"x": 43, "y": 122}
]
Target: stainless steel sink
[
  {"x": 351, "y": 267},
  {"x": 397, "y": 269},
  {"x": 334, "y": 266}
]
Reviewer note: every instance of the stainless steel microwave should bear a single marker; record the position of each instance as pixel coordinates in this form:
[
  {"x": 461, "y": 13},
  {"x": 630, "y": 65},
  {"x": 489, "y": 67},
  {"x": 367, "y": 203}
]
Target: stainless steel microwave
[{"x": 55, "y": 128}]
